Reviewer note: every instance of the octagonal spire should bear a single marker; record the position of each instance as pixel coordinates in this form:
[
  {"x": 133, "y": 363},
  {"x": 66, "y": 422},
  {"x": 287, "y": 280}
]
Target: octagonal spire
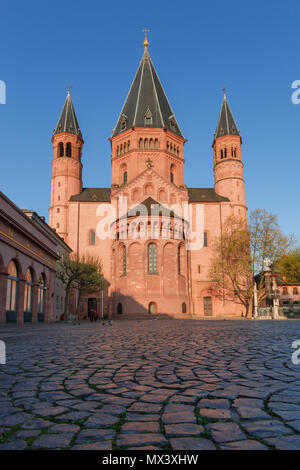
[{"x": 146, "y": 104}]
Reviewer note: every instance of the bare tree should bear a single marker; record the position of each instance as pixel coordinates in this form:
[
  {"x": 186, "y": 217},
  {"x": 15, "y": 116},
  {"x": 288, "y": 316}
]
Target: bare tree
[{"x": 240, "y": 252}]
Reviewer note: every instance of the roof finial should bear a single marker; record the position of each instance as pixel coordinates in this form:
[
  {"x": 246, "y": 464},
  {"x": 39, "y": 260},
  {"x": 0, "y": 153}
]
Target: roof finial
[
  {"x": 68, "y": 88},
  {"x": 146, "y": 43},
  {"x": 224, "y": 89}
]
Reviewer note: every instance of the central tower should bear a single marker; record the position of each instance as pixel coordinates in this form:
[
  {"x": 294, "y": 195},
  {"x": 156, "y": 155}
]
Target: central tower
[
  {"x": 147, "y": 123},
  {"x": 150, "y": 270}
]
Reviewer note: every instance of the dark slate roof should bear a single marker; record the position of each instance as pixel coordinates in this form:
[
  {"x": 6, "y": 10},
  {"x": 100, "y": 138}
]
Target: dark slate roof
[
  {"x": 204, "y": 195},
  {"x": 92, "y": 195},
  {"x": 148, "y": 203},
  {"x": 146, "y": 98},
  {"x": 68, "y": 121},
  {"x": 103, "y": 195},
  {"x": 226, "y": 123}
]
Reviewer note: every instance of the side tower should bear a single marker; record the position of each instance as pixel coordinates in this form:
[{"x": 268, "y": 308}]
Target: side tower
[
  {"x": 66, "y": 178},
  {"x": 228, "y": 166}
]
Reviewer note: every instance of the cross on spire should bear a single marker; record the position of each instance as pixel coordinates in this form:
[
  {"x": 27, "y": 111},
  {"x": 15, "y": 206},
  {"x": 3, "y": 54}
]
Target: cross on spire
[
  {"x": 68, "y": 88},
  {"x": 224, "y": 89},
  {"x": 145, "y": 30}
]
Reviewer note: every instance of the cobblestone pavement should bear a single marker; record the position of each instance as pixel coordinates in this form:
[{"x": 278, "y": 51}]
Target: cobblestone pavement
[{"x": 166, "y": 384}]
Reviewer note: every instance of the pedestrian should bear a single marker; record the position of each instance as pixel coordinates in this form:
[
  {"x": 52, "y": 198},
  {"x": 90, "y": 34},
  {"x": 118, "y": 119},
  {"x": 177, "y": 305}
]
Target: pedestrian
[
  {"x": 91, "y": 315},
  {"x": 95, "y": 315}
]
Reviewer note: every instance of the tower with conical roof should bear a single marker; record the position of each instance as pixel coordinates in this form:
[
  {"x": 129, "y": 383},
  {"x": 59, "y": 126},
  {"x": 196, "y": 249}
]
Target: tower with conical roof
[
  {"x": 228, "y": 165},
  {"x": 66, "y": 178},
  {"x": 147, "y": 125}
]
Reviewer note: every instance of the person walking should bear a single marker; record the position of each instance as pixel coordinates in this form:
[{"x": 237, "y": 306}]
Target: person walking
[
  {"x": 91, "y": 315},
  {"x": 95, "y": 315}
]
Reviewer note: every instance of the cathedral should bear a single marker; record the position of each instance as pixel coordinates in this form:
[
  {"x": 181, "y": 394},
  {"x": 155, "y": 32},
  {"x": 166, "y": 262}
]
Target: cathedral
[{"x": 149, "y": 214}]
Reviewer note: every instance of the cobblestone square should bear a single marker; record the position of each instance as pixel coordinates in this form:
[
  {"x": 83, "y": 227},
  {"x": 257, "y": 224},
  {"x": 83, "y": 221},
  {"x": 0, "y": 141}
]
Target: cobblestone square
[{"x": 151, "y": 384}]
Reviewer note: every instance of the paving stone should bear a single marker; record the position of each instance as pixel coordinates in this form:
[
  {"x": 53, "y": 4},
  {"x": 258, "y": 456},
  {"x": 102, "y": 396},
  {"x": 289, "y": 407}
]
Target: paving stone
[
  {"x": 36, "y": 423},
  {"x": 252, "y": 413},
  {"x": 180, "y": 417},
  {"x": 118, "y": 400},
  {"x": 266, "y": 428},
  {"x": 178, "y": 408},
  {"x": 288, "y": 415},
  {"x": 142, "y": 417},
  {"x": 26, "y": 433},
  {"x": 144, "y": 448},
  {"x": 154, "y": 398},
  {"x": 223, "y": 432},
  {"x": 51, "y": 411},
  {"x": 191, "y": 443},
  {"x": 101, "y": 420},
  {"x": 14, "y": 445},
  {"x": 137, "y": 427},
  {"x": 74, "y": 416},
  {"x": 184, "y": 429},
  {"x": 86, "y": 405},
  {"x": 145, "y": 407},
  {"x": 248, "y": 403},
  {"x": 286, "y": 442},
  {"x": 95, "y": 435},
  {"x": 52, "y": 441},
  {"x": 243, "y": 445},
  {"x": 14, "y": 419},
  {"x": 217, "y": 404},
  {"x": 215, "y": 414},
  {"x": 113, "y": 409},
  {"x": 105, "y": 445},
  {"x": 141, "y": 439},
  {"x": 64, "y": 428},
  {"x": 295, "y": 425}
]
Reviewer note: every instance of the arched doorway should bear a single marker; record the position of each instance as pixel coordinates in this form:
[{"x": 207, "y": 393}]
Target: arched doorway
[
  {"x": 12, "y": 293},
  {"x": 28, "y": 296},
  {"x": 120, "y": 308},
  {"x": 41, "y": 298},
  {"x": 183, "y": 307},
  {"x": 207, "y": 303},
  {"x": 152, "y": 308}
]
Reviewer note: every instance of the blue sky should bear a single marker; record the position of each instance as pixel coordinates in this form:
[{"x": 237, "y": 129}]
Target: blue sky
[{"x": 251, "y": 47}]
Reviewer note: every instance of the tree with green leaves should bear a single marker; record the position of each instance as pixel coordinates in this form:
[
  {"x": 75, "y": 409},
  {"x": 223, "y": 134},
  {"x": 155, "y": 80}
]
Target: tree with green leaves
[
  {"x": 91, "y": 279},
  {"x": 240, "y": 253},
  {"x": 82, "y": 273},
  {"x": 288, "y": 266}
]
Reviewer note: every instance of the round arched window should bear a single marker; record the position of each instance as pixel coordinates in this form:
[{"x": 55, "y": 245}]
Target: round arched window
[
  {"x": 152, "y": 258},
  {"x": 12, "y": 287},
  {"x": 28, "y": 291},
  {"x": 41, "y": 294}
]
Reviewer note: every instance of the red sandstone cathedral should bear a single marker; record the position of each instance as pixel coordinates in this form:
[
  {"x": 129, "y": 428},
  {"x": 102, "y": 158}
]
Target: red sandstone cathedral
[{"x": 148, "y": 258}]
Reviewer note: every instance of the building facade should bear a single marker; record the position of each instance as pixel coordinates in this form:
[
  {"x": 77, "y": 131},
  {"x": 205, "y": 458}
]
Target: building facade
[
  {"x": 62, "y": 249},
  {"x": 148, "y": 259},
  {"x": 29, "y": 250}
]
